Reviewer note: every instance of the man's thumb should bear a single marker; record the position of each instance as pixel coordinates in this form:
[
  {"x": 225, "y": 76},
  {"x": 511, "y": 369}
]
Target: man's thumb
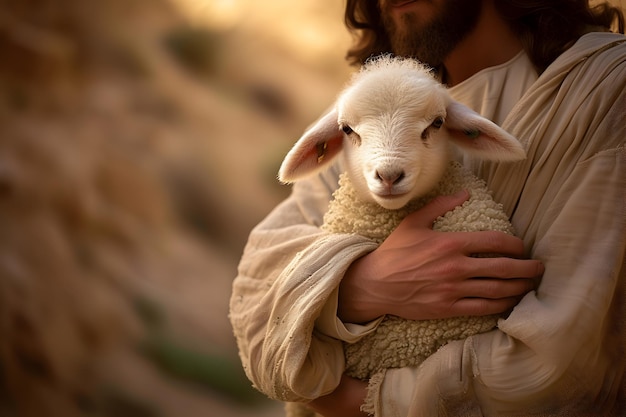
[{"x": 437, "y": 207}]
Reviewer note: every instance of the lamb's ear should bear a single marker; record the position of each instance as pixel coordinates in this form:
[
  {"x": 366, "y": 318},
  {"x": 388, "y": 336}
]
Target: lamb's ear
[
  {"x": 481, "y": 137},
  {"x": 314, "y": 150}
]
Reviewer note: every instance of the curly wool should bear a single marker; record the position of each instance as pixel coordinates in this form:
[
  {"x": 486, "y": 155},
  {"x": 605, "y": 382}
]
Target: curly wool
[{"x": 399, "y": 342}]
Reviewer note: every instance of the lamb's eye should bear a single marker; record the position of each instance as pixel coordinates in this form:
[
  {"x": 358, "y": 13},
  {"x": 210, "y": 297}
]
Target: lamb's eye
[
  {"x": 438, "y": 122},
  {"x": 346, "y": 129}
]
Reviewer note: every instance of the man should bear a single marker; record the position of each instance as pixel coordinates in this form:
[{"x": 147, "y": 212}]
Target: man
[{"x": 555, "y": 79}]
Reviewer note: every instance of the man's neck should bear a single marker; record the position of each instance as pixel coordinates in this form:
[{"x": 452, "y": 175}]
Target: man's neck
[{"x": 491, "y": 43}]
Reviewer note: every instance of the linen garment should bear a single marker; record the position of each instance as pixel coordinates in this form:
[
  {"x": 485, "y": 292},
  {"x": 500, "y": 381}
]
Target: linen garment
[{"x": 560, "y": 352}]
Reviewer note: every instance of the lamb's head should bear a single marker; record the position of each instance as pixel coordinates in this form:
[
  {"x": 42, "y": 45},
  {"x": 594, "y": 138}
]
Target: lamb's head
[
  {"x": 393, "y": 126},
  {"x": 392, "y": 116}
]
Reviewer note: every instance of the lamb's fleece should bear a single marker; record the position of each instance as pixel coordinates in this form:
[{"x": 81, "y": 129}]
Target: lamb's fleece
[{"x": 399, "y": 342}]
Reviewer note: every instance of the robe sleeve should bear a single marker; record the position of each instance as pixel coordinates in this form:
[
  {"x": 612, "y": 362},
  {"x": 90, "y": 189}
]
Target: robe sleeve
[{"x": 287, "y": 277}]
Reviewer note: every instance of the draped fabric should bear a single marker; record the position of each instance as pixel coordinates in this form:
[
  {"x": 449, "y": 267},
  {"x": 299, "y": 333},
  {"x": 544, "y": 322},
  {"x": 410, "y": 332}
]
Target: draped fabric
[{"x": 561, "y": 350}]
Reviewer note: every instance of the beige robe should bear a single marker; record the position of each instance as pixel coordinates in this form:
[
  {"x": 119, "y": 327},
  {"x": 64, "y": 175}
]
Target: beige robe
[{"x": 560, "y": 352}]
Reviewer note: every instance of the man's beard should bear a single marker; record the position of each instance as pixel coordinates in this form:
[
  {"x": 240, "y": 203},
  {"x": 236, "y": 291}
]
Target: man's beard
[{"x": 433, "y": 41}]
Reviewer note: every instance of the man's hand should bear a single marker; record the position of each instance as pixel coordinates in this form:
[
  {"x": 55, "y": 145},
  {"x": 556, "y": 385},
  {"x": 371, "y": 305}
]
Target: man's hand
[
  {"x": 419, "y": 274},
  {"x": 345, "y": 401}
]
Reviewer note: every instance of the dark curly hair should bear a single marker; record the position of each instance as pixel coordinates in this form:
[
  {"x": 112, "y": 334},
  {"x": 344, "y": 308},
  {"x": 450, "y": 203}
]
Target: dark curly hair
[{"x": 546, "y": 28}]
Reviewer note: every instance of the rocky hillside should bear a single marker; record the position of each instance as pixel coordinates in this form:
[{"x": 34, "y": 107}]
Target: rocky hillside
[{"x": 139, "y": 142}]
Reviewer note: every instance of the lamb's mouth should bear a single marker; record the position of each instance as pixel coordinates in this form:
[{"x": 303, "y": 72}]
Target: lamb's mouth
[
  {"x": 392, "y": 201},
  {"x": 391, "y": 195}
]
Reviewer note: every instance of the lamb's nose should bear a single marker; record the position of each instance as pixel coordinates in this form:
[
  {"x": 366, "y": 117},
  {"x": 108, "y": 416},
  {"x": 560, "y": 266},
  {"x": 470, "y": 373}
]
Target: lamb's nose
[{"x": 390, "y": 178}]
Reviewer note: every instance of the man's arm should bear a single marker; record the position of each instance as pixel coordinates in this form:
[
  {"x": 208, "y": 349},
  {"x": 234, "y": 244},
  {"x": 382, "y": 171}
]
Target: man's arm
[
  {"x": 482, "y": 296},
  {"x": 290, "y": 269},
  {"x": 419, "y": 274}
]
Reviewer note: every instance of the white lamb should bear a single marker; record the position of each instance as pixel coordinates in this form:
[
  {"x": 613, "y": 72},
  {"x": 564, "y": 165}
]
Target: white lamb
[{"x": 394, "y": 126}]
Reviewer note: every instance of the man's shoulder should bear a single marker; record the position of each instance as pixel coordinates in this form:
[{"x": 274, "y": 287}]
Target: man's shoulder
[{"x": 594, "y": 46}]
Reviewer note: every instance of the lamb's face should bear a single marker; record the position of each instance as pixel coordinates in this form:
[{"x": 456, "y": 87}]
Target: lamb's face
[{"x": 394, "y": 148}]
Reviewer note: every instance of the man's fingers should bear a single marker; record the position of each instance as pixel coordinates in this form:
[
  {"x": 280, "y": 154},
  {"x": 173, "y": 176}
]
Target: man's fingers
[
  {"x": 495, "y": 289},
  {"x": 483, "y": 306},
  {"x": 503, "y": 267},
  {"x": 483, "y": 296}
]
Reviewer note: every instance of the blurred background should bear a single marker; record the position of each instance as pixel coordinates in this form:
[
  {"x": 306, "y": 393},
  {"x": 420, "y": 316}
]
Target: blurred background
[{"x": 139, "y": 144}]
